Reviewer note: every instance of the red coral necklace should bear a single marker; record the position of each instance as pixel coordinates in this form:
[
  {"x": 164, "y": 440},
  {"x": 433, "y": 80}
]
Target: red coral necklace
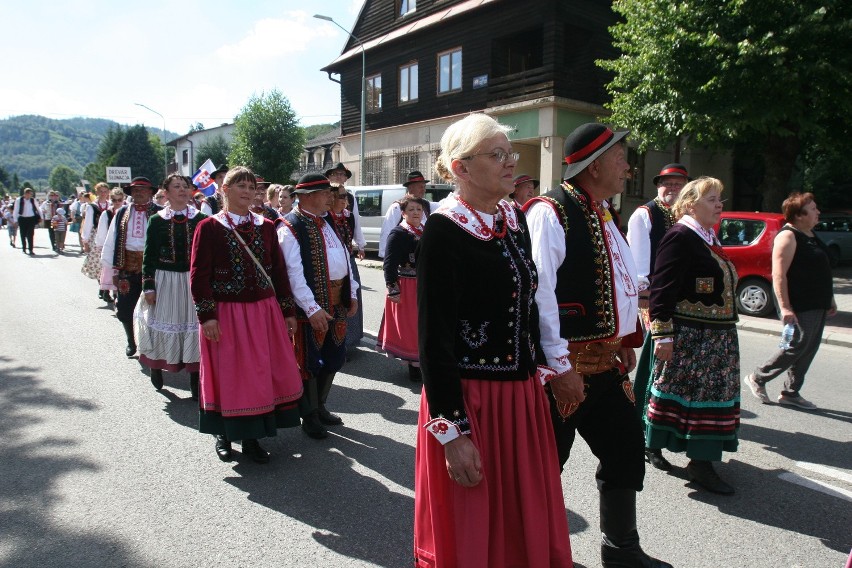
[{"x": 489, "y": 230}]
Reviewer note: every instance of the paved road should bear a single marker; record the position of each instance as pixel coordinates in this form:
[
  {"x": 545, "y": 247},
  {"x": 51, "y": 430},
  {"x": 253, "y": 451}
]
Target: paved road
[{"x": 98, "y": 469}]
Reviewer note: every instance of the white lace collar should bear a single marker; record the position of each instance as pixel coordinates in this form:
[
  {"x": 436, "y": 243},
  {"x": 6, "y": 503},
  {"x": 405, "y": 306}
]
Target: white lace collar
[
  {"x": 707, "y": 235},
  {"x": 167, "y": 212},
  {"x": 452, "y": 208},
  {"x": 222, "y": 217}
]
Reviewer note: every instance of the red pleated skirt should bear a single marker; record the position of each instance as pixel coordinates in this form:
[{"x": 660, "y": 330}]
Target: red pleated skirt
[
  {"x": 398, "y": 330},
  {"x": 515, "y": 517}
]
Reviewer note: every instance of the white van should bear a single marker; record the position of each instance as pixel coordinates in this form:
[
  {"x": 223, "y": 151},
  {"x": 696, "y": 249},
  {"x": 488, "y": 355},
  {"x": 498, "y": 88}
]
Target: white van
[{"x": 375, "y": 200}]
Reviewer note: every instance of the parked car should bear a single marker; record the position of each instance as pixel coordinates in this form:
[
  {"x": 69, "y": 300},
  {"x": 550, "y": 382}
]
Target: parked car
[
  {"x": 835, "y": 230},
  {"x": 747, "y": 239},
  {"x": 375, "y": 200}
]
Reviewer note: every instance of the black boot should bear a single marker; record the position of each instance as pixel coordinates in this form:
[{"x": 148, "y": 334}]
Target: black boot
[
  {"x": 323, "y": 387},
  {"x": 312, "y": 426},
  {"x": 620, "y": 543},
  {"x": 130, "y": 351},
  {"x": 702, "y": 473},
  {"x": 656, "y": 459},
  {"x": 223, "y": 448},
  {"x": 252, "y": 448},
  {"x": 193, "y": 385},
  {"x": 414, "y": 374},
  {"x": 157, "y": 378}
]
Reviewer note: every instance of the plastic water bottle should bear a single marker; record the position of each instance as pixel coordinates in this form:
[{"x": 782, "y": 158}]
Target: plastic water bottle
[{"x": 787, "y": 336}]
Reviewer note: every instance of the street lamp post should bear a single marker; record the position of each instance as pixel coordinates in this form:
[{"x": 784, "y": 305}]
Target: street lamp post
[
  {"x": 165, "y": 150},
  {"x": 363, "y": 90}
]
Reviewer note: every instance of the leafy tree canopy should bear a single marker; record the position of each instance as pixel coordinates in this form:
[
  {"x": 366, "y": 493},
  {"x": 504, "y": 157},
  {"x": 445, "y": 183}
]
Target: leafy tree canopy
[
  {"x": 267, "y": 137},
  {"x": 215, "y": 148},
  {"x": 774, "y": 74},
  {"x": 135, "y": 150},
  {"x": 64, "y": 180}
]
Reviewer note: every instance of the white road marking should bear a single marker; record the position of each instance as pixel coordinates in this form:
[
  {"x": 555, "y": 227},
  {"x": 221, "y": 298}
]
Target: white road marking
[
  {"x": 826, "y": 471},
  {"x": 817, "y": 485}
]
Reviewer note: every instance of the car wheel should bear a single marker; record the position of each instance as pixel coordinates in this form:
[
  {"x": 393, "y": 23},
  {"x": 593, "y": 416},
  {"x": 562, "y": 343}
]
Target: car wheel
[
  {"x": 833, "y": 256},
  {"x": 754, "y": 298}
]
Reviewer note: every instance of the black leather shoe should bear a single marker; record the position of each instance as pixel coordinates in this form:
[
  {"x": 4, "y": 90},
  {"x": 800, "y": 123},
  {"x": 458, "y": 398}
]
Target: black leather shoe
[
  {"x": 656, "y": 459},
  {"x": 312, "y": 427},
  {"x": 253, "y": 449},
  {"x": 702, "y": 473},
  {"x": 157, "y": 378},
  {"x": 223, "y": 448},
  {"x": 130, "y": 350},
  {"x": 329, "y": 419}
]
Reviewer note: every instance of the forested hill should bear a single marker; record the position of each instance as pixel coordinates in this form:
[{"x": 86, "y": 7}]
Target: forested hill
[{"x": 32, "y": 146}]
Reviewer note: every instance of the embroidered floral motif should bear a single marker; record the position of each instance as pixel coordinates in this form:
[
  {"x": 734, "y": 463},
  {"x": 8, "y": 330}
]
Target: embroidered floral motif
[
  {"x": 205, "y": 305},
  {"x": 704, "y": 285},
  {"x": 662, "y": 328},
  {"x": 714, "y": 312},
  {"x": 475, "y": 339}
]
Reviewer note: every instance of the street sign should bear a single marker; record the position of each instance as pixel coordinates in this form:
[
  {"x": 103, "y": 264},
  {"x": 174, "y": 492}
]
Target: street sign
[{"x": 118, "y": 175}]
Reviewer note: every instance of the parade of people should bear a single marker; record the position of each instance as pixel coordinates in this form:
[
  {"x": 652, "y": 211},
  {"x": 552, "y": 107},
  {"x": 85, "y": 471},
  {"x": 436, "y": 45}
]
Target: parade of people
[{"x": 426, "y": 284}]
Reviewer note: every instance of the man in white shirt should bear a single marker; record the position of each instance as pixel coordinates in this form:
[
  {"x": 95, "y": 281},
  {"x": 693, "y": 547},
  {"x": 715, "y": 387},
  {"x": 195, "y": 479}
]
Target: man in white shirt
[
  {"x": 415, "y": 186},
  {"x": 26, "y": 215},
  {"x": 122, "y": 252},
  {"x": 325, "y": 291},
  {"x": 587, "y": 299}
]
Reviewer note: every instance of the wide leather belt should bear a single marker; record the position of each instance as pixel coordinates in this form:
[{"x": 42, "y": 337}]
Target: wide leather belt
[
  {"x": 335, "y": 288},
  {"x": 133, "y": 261},
  {"x": 593, "y": 357}
]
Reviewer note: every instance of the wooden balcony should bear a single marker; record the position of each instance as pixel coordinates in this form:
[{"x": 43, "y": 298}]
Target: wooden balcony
[{"x": 530, "y": 84}]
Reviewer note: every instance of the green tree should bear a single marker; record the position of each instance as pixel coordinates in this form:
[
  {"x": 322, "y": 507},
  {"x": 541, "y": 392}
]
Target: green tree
[
  {"x": 216, "y": 149},
  {"x": 16, "y": 183},
  {"x": 197, "y": 127},
  {"x": 4, "y": 176},
  {"x": 63, "y": 179},
  {"x": 775, "y": 75},
  {"x": 138, "y": 153},
  {"x": 267, "y": 137}
]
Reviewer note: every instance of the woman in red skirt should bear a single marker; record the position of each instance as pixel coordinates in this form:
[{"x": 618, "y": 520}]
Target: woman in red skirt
[
  {"x": 487, "y": 486},
  {"x": 398, "y": 331},
  {"x": 249, "y": 379}
]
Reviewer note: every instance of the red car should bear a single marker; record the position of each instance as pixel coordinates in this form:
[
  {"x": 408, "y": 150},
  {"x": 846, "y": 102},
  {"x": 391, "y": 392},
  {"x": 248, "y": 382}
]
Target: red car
[{"x": 747, "y": 240}]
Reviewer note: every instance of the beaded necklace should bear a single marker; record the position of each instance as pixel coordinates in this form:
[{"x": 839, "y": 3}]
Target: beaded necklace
[
  {"x": 498, "y": 234},
  {"x": 416, "y": 231},
  {"x": 182, "y": 213}
]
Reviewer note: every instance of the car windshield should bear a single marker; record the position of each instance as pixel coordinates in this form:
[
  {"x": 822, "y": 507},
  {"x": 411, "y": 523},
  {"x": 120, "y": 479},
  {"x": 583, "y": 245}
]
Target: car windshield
[{"x": 740, "y": 232}]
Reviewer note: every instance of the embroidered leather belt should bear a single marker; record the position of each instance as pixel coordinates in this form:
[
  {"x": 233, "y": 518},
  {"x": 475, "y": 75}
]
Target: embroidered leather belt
[
  {"x": 132, "y": 261},
  {"x": 595, "y": 356},
  {"x": 335, "y": 287}
]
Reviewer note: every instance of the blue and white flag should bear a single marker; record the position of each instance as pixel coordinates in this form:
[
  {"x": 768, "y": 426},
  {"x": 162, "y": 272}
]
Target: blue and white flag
[{"x": 202, "y": 180}]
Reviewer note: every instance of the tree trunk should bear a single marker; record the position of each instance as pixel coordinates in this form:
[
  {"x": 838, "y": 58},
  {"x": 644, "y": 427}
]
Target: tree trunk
[{"x": 779, "y": 158}]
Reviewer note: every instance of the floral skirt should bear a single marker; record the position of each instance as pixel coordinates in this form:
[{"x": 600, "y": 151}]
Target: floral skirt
[
  {"x": 167, "y": 331},
  {"x": 398, "y": 331},
  {"x": 694, "y": 402},
  {"x": 516, "y": 515},
  {"x": 92, "y": 265}
]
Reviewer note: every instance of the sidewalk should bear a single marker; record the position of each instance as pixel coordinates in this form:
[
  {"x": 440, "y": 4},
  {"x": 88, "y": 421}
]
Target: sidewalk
[{"x": 838, "y": 330}]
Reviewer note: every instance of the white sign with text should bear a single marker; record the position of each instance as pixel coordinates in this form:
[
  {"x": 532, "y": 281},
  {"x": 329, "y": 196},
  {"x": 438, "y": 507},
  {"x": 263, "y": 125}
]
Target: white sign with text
[{"x": 118, "y": 175}]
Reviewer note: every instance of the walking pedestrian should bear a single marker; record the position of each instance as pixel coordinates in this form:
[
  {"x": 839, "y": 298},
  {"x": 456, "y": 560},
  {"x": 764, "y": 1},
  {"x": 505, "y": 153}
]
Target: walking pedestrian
[
  {"x": 802, "y": 281},
  {"x": 165, "y": 318},
  {"x": 249, "y": 379},
  {"x": 486, "y": 485},
  {"x": 26, "y": 215}
]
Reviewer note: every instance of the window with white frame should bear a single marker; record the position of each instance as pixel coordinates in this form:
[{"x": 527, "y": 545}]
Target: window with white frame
[
  {"x": 408, "y": 82},
  {"x": 407, "y": 6},
  {"x": 374, "y": 93},
  {"x": 450, "y": 71}
]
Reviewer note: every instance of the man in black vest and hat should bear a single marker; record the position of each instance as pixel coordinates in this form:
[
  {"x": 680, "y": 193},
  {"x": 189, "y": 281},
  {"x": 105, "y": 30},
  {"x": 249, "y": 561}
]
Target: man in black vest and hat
[
  {"x": 325, "y": 292},
  {"x": 645, "y": 230},
  {"x": 123, "y": 249},
  {"x": 588, "y": 305}
]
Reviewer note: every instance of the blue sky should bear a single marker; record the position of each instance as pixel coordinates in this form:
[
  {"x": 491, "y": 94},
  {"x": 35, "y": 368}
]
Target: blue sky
[{"x": 191, "y": 61}]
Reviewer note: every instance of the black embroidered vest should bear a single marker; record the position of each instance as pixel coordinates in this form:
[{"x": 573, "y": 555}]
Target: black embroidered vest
[
  {"x": 121, "y": 219},
  {"x": 585, "y": 289},
  {"x": 314, "y": 261},
  {"x": 660, "y": 223}
]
